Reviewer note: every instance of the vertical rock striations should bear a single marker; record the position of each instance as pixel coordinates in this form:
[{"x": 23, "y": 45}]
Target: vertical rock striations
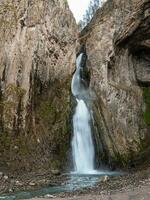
[
  {"x": 37, "y": 42},
  {"x": 36, "y": 53},
  {"x": 118, "y": 48}
]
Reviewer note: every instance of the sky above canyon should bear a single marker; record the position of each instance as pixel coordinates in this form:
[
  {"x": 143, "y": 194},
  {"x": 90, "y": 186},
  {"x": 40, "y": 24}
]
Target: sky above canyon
[{"x": 78, "y": 8}]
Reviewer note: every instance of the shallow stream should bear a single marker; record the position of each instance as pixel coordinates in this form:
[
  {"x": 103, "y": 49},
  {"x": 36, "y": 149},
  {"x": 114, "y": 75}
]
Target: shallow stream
[{"x": 75, "y": 182}]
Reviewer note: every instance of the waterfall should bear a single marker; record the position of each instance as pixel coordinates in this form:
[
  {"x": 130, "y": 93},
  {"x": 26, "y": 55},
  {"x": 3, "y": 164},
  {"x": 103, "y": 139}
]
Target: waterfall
[{"x": 82, "y": 144}]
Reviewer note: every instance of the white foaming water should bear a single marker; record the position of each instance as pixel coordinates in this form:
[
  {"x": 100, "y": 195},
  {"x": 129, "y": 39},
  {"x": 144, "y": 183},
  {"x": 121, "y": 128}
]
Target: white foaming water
[
  {"x": 82, "y": 144},
  {"x": 76, "y": 85}
]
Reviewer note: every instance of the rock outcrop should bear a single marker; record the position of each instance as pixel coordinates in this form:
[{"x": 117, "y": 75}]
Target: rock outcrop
[
  {"x": 118, "y": 49},
  {"x": 37, "y": 51},
  {"x": 37, "y": 44}
]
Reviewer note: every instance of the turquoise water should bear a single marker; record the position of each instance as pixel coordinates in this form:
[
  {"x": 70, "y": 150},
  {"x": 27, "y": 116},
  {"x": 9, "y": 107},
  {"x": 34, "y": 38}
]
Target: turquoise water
[{"x": 76, "y": 181}]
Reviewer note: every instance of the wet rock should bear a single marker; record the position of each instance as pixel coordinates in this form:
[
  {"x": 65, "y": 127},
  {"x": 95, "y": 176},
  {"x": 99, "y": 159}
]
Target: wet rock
[
  {"x": 18, "y": 183},
  {"x": 55, "y": 172},
  {"x": 11, "y": 190},
  {"x": 104, "y": 179},
  {"x": 6, "y": 177},
  {"x": 49, "y": 196},
  {"x": 32, "y": 184}
]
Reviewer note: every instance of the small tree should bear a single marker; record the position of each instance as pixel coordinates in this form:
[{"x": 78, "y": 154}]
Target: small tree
[{"x": 93, "y": 6}]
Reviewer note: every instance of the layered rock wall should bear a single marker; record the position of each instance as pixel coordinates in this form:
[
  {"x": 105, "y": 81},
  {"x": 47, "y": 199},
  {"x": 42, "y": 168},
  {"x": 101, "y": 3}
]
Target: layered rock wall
[
  {"x": 118, "y": 49},
  {"x": 37, "y": 42}
]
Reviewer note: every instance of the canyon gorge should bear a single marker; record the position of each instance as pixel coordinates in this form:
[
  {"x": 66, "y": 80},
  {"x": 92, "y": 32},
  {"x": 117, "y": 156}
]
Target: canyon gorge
[{"x": 39, "y": 43}]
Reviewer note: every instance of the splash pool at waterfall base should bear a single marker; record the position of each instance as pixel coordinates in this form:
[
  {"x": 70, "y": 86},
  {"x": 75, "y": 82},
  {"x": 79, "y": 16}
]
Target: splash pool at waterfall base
[{"x": 74, "y": 182}]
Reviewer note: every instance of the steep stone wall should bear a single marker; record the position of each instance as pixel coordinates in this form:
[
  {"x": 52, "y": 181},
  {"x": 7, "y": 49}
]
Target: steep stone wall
[
  {"x": 37, "y": 41},
  {"x": 37, "y": 52},
  {"x": 118, "y": 49}
]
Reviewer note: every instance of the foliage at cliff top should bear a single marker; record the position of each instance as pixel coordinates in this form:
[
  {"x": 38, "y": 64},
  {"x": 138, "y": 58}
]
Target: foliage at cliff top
[{"x": 93, "y": 6}]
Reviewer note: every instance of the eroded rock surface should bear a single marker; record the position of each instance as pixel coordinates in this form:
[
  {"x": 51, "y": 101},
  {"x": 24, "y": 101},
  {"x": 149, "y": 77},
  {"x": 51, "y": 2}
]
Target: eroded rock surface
[
  {"x": 37, "y": 41},
  {"x": 118, "y": 49},
  {"x": 37, "y": 51}
]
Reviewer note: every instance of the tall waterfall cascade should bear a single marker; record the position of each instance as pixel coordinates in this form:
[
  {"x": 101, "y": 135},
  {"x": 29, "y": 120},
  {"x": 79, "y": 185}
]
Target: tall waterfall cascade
[{"x": 82, "y": 143}]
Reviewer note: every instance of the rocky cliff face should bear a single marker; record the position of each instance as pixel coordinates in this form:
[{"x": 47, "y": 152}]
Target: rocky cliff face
[
  {"x": 37, "y": 41},
  {"x": 118, "y": 49},
  {"x": 37, "y": 44}
]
